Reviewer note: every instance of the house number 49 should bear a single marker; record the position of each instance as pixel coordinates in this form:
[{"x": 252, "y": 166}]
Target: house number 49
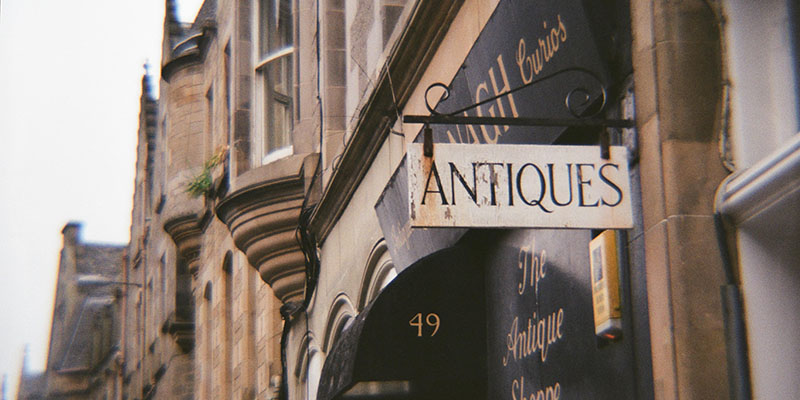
[{"x": 432, "y": 320}]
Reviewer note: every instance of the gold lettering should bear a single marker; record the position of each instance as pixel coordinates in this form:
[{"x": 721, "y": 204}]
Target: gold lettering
[
  {"x": 531, "y": 345},
  {"x": 498, "y": 91},
  {"x": 496, "y": 127},
  {"x": 416, "y": 321},
  {"x": 538, "y": 64},
  {"x": 451, "y": 138},
  {"x": 435, "y": 324},
  {"x": 560, "y": 320},
  {"x": 552, "y": 392},
  {"x": 513, "y": 393},
  {"x": 524, "y": 59},
  {"x": 511, "y": 342},
  {"x": 539, "y": 268},
  {"x": 470, "y": 136},
  {"x": 541, "y": 333},
  {"x": 533, "y": 265},
  {"x": 483, "y": 87},
  {"x": 473, "y": 136},
  {"x": 550, "y": 46},
  {"x": 544, "y": 50}
]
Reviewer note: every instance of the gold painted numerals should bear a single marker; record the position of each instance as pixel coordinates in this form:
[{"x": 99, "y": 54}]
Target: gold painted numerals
[{"x": 431, "y": 320}]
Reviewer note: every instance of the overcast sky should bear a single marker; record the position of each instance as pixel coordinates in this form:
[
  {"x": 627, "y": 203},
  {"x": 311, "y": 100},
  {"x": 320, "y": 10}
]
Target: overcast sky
[{"x": 70, "y": 80}]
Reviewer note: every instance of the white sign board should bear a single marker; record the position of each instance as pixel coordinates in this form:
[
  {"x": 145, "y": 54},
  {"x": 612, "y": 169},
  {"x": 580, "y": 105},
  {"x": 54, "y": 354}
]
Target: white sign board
[{"x": 530, "y": 186}]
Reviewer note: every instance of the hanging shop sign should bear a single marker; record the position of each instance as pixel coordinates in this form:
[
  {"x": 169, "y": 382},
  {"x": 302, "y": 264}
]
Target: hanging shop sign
[
  {"x": 507, "y": 186},
  {"x": 533, "y": 60},
  {"x": 407, "y": 245}
]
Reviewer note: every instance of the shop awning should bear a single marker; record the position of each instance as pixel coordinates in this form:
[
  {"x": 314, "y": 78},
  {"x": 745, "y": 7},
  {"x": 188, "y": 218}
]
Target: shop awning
[{"x": 424, "y": 336}]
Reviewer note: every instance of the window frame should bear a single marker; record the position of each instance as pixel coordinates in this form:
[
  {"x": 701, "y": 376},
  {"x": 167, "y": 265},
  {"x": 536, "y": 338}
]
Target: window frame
[
  {"x": 268, "y": 98},
  {"x": 765, "y": 99}
]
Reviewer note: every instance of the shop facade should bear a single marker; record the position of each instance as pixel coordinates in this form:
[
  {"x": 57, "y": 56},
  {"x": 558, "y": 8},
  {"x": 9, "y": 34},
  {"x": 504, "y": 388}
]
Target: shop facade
[
  {"x": 484, "y": 307},
  {"x": 531, "y": 71},
  {"x": 466, "y": 199}
]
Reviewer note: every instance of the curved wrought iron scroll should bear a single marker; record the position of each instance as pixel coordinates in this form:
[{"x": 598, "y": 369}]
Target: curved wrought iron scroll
[{"x": 578, "y": 102}]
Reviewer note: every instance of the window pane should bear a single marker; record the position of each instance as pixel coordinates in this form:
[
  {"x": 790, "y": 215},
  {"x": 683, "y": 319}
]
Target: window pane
[
  {"x": 275, "y": 25},
  {"x": 278, "y": 103}
]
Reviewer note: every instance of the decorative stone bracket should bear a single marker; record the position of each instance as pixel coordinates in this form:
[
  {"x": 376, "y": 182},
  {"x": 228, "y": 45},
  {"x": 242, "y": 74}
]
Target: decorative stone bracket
[
  {"x": 181, "y": 330},
  {"x": 186, "y": 231},
  {"x": 262, "y": 214}
]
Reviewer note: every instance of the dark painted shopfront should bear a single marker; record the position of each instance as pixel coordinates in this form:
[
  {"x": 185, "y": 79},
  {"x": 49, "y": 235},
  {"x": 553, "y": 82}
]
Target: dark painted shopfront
[{"x": 508, "y": 313}]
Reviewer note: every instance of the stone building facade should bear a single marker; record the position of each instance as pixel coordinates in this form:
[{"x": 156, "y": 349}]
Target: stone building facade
[
  {"x": 84, "y": 357},
  {"x": 272, "y": 229},
  {"x": 204, "y": 325},
  {"x": 701, "y": 272}
]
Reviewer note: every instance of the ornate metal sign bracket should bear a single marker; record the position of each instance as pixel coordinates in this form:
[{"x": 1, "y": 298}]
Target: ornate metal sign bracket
[{"x": 578, "y": 102}]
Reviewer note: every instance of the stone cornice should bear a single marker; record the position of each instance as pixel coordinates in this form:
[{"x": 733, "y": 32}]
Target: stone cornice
[
  {"x": 189, "y": 52},
  {"x": 262, "y": 213},
  {"x": 409, "y": 58},
  {"x": 186, "y": 59}
]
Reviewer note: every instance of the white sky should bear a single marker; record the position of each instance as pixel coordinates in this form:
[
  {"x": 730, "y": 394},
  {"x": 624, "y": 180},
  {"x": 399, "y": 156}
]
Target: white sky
[{"x": 70, "y": 80}]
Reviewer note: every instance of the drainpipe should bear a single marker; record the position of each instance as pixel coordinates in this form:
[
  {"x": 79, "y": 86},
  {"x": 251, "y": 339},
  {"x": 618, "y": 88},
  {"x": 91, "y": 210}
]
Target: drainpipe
[{"x": 732, "y": 310}]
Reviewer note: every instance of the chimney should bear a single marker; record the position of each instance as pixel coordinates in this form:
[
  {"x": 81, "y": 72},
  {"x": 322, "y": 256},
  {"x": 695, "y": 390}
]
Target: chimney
[{"x": 71, "y": 233}]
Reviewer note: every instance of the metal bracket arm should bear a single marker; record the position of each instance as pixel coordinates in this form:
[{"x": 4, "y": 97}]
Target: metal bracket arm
[
  {"x": 575, "y": 100},
  {"x": 443, "y": 119}
]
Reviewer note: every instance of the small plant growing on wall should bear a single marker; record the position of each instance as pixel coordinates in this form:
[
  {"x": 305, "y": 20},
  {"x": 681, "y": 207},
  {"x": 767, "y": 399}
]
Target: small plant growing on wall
[{"x": 201, "y": 184}]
